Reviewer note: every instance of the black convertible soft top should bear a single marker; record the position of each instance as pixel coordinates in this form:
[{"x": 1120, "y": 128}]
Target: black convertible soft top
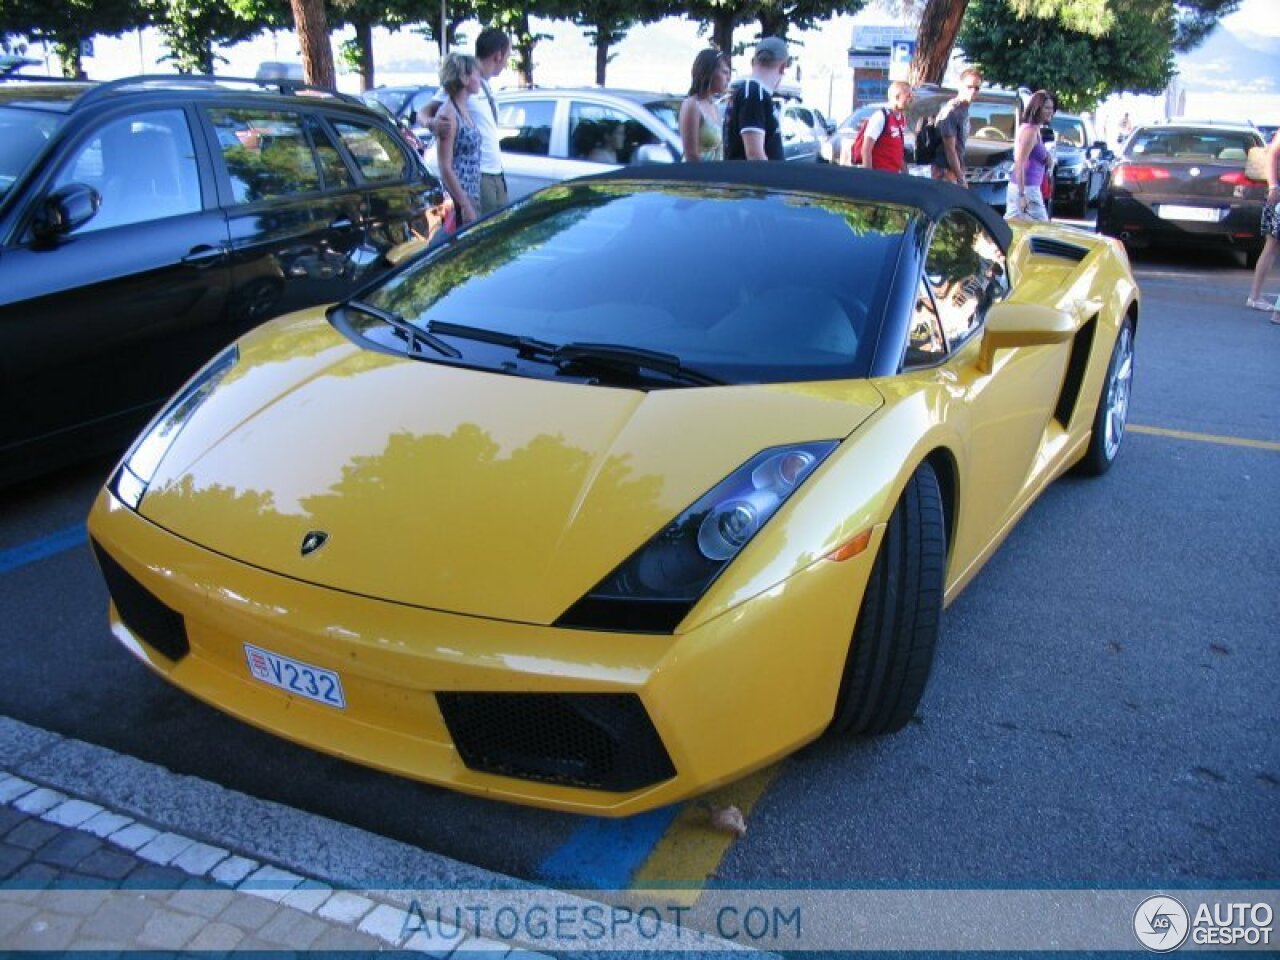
[{"x": 932, "y": 197}]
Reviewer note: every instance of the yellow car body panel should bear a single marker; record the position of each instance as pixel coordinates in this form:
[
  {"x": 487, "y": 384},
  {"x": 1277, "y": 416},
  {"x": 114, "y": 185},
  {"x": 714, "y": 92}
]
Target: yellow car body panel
[
  {"x": 726, "y": 698},
  {"x": 467, "y": 511}
]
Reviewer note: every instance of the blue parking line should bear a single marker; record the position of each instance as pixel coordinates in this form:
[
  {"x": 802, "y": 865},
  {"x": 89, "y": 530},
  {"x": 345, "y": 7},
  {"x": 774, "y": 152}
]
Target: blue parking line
[
  {"x": 54, "y": 543},
  {"x": 603, "y": 854}
]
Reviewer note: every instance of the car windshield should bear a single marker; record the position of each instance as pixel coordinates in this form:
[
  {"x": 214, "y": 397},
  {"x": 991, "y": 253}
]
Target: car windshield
[
  {"x": 741, "y": 286},
  {"x": 1184, "y": 144},
  {"x": 23, "y": 133},
  {"x": 992, "y": 121},
  {"x": 1070, "y": 131}
]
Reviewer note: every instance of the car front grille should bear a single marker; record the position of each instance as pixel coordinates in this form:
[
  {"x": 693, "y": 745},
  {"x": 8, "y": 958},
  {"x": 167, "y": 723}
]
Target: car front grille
[
  {"x": 146, "y": 617},
  {"x": 604, "y": 741}
]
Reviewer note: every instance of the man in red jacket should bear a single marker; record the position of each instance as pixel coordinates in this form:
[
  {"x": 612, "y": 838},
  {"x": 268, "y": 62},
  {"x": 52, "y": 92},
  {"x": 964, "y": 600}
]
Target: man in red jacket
[{"x": 882, "y": 141}]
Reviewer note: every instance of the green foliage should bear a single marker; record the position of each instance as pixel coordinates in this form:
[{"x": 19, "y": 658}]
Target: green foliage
[
  {"x": 191, "y": 28},
  {"x": 1195, "y": 20},
  {"x": 65, "y": 23},
  {"x": 1135, "y": 54}
]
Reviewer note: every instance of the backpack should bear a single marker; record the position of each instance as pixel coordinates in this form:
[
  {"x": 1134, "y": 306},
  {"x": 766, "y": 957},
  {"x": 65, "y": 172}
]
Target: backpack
[
  {"x": 928, "y": 141},
  {"x": 859, "y": 138}
]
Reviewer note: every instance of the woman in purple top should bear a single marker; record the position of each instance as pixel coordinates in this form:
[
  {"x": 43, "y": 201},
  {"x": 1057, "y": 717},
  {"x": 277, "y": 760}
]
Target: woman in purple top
[{"x": 1030, "y": 156}]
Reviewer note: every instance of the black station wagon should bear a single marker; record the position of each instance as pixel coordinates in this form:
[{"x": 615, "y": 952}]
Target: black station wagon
[{"x": 147, "y": 222}]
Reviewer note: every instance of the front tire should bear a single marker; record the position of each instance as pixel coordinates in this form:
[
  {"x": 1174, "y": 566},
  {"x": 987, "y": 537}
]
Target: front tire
[
  {"x": 1112, "y": 416},
  {"x": 891, "y": 653}
]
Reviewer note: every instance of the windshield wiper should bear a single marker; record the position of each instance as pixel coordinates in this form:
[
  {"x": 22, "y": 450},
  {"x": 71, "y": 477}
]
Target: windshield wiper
[
  {"x": 413, "y": 335},
  {"x": 524, "y": 346},
  {"x": 614, "y": 356}
]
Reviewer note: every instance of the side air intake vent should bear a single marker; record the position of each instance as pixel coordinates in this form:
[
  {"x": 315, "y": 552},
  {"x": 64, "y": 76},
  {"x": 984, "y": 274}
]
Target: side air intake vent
[{"x": 1045, "y": 247}]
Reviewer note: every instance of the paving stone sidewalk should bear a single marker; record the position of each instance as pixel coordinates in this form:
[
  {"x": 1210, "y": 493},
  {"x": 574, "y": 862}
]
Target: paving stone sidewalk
[{"x": 76, "y": 875}]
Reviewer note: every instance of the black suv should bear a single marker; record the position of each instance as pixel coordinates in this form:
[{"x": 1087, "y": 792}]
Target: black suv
[{"x": 146, "y": 222}]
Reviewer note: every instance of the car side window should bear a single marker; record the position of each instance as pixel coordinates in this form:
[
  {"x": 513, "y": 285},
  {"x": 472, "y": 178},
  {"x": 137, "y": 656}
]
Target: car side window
[
  {"x": 603, "y": 134},
  {"x": 376, "y": 152},
  {"x": 144, "y": 167},
  {"x": 926, "y": 343},
  {"x": 266, "y": 153},
  {"x": 965, "y": 273},
  {"x": 334, "y": 168},
  {"x": 525, "y": 126}
]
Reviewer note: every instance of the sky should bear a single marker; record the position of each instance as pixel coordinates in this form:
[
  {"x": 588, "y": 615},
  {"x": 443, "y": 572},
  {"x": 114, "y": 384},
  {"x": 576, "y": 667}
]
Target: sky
[{"x": 655, "y": 57}]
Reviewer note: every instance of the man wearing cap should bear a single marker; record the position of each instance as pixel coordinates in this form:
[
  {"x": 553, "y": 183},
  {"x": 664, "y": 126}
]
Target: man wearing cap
[{"x": 752, "y": 130}]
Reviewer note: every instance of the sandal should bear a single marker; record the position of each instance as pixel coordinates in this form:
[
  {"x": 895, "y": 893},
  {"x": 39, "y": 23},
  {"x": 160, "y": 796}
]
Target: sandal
[{"x": 1253, "y": 304}]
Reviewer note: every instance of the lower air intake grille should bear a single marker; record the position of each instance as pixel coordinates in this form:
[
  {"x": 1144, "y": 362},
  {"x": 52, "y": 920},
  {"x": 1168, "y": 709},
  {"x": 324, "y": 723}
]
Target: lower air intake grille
[
  {"x": 605, "y": 741},
  {"x": 146, "y": 617}
]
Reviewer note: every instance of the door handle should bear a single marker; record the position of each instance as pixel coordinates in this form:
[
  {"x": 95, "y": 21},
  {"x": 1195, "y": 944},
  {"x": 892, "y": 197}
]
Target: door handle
[
  {"x": 204, "y": 256},
  {"x": 342, "y": 223}
]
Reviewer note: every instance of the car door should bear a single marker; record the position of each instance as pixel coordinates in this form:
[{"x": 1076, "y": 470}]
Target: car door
[
  {"x": 397, "y": 190},
  {"x": 100, "y": 324},
  {"x": 525, "y": 127},
  {"x": 1004, "y": 412},
  {"x": 295, "y": 213}
]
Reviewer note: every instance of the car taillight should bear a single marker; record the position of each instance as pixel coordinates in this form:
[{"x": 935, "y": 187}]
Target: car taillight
[
  {"x": 1139, "y": 174},
  {"x": 1238, "y": 178}
]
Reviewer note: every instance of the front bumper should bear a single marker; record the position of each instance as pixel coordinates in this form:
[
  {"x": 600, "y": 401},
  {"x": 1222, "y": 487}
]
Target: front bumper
[{"x": 731, "y": 696}]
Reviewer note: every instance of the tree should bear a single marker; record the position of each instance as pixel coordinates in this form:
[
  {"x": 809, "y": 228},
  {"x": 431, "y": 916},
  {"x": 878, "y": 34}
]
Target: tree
[
  {"x": 67, "y": 23},
  {"x": 191, "y": 27},
  {"x": 607, "y": 23},
  {"x": 722, "y": 16},
  {"x": 1134, "y": 53},
  {"x": 363, "y": 16},
  {"x": 941, "y": 20},
  {"x": 777, "y": 16},
  {"x": 312, "y": 24},
  {"x": 514, "y": 18}
]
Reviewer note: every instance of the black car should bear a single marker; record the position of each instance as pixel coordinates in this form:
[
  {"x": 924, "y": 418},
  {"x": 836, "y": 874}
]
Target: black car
[
  {"x": 1186, "y": 183},
  {"x": 147, "y": 222},
  {"x": 1083, "y": 165}
]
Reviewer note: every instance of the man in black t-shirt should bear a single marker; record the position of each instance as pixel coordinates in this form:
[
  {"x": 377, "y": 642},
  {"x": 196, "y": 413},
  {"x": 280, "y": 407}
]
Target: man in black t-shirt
[{"x": 751, "y": 127}]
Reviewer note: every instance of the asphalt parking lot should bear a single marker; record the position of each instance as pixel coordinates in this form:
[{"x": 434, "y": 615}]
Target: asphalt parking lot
[{"x": 1102, "y": 708}]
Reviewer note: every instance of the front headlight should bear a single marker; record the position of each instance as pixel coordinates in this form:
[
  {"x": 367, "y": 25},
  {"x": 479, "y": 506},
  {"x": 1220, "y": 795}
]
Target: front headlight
[
  {"x": 994, "y": 174},
  {"x": 653, "y": 589},
  {"x": 134, "y": 474}
]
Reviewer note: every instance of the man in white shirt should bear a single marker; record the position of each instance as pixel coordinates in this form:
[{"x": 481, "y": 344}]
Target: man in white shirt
[{"x": 493, "y": 50}]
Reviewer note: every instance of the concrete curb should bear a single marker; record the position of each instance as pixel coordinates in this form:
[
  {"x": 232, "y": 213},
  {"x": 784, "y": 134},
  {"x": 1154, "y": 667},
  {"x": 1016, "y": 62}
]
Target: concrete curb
[{"x": 195, "y": 820}]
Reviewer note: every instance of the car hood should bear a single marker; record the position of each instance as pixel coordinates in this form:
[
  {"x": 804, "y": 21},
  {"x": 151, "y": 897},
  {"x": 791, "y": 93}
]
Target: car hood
[
  {"x": 456, "y": 489},
  {"x": 1069, "y": 155}
]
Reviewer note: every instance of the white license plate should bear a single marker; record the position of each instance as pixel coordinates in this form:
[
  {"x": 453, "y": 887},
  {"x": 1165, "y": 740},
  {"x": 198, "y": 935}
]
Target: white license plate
[
  {"x": 294, "y": 676},
  {"x": 1172, "y": 211}
]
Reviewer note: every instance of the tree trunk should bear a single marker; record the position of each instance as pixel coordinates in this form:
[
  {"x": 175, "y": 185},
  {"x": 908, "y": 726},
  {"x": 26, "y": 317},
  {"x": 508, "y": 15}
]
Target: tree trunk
[
  {"x": 602, "y": 56},
  {"x": 722, "y": 30},
  {"x": 364, "y": 41},
  {"x": 524, "y": 44},
  {"x": 312, "y": 24},
  {"x": 939, "y": 26},
  {"x": 773, "y": 23},
  {"x": 68, "y": 53}
]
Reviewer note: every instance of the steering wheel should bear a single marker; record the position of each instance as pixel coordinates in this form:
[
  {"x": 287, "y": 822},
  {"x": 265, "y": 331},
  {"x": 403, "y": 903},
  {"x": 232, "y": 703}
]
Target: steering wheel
[{"x": 985, "y": 133}]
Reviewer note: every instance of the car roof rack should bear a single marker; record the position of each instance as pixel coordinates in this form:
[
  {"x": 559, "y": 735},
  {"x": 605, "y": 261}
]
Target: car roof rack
[{"x": 197, "y": 81}]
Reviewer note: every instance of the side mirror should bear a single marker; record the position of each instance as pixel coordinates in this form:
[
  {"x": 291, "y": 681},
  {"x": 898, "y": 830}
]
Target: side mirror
[
  {"x": 1022, "y": 325},
  {"x": 654, "y": 153},
  {"x": 831, "y": 128},
  {"x": 68, "y": 208}
]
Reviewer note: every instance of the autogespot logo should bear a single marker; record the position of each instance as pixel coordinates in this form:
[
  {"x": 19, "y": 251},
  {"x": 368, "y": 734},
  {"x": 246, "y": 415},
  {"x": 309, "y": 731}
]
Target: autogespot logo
[{"x": 1161, "y": 923}]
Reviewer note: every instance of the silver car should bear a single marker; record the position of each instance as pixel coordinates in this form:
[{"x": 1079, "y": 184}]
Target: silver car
[{"x": 549, "y": 135}]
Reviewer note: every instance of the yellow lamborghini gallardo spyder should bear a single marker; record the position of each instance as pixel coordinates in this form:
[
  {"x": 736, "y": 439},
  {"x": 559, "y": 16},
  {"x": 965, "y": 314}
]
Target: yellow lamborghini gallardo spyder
[{"x": 625, "y": 491}]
